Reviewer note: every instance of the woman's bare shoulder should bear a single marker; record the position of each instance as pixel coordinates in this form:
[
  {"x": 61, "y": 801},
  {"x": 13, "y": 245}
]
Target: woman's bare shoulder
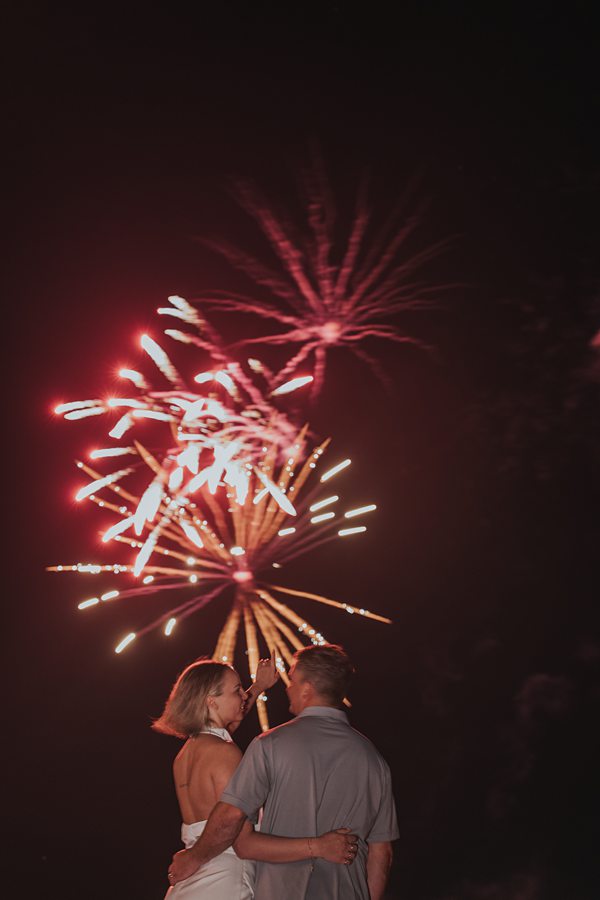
[
  {"x": 210, "y": 745},
  {"x": 226, "y": 749},
  {"x": 207, "y": 755}
]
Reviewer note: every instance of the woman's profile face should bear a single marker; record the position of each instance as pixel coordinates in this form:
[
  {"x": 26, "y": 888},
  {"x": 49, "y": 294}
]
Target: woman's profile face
[{"x": 228, "y": 706}]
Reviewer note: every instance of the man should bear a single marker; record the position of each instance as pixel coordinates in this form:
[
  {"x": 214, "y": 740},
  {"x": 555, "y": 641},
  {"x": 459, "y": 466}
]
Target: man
[{"x": 311, "y": 775}]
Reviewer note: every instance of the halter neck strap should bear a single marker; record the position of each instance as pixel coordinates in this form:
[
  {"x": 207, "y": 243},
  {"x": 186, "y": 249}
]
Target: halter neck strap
[{"x": 218, "y": 732}]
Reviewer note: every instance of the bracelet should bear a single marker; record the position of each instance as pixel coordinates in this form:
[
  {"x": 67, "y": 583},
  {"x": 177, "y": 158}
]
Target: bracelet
[{"x": 312, "y": 856}]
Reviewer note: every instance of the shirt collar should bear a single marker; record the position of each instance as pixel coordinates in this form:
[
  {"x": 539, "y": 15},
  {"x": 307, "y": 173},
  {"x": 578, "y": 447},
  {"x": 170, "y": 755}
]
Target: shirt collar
[{"x": 329, "y": 712}]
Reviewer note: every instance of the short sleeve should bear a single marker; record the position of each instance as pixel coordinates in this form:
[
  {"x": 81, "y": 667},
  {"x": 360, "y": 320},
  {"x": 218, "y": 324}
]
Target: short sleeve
[
  {"x": 385, "y": 826},
  {"x": 249, "y": 785}
]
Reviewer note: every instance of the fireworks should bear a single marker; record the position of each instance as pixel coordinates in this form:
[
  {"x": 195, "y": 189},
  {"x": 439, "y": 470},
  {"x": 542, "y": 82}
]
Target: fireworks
[
  {"x": 332, "y": 296},
  {"x": 211, "y": 543},
  {"x": 215, "y": 436},
  {"x": 215, "y": 506}
]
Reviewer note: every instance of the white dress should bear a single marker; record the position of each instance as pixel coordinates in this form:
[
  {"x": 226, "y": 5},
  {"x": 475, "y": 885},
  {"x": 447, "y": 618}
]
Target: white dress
[{"x": 226, "y": 877}]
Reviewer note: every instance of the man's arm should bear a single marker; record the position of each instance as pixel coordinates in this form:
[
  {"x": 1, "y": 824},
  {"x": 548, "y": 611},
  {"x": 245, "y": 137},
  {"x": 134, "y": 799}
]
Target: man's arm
[
  {"x": 245, "y": 793},
  {"x": 379, "y": 861},
  {"x": 223, "y": 826}
]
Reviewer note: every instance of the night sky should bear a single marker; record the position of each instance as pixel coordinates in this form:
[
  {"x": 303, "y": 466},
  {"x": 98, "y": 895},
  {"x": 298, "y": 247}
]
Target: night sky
[{"x": 126, "y": 130}]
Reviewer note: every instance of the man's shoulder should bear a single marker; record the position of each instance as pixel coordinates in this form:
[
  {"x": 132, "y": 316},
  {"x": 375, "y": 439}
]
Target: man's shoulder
[
  {"x": 297, "y": 729},
  {"x": 363, "y": 739},
  {"x": 367, "y": 746},
  {"x": 278, "y": 732}
]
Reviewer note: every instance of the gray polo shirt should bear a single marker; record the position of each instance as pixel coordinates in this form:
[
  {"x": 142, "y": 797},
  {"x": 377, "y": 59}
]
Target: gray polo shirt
[{"x": 311, "y": 775}]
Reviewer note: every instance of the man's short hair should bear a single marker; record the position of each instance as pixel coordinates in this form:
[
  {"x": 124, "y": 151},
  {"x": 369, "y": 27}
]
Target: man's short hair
[{"x": 328, "y": 668}]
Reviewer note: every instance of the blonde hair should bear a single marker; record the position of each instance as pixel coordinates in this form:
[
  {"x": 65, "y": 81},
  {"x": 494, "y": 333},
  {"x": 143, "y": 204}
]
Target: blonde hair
[{"x": 186, "y": 711}]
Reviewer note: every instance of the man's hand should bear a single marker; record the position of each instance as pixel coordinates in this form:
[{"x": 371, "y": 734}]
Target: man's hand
[
  {"x": 223, "y": 826},
  {"x": 182, "y": 867}
]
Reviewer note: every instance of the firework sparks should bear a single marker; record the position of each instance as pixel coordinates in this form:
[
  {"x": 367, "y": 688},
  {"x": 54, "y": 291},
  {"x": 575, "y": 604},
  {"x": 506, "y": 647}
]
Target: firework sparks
[
  {"x": 216, "y": 437},
  {"x": 331, "y": 298},
  {"x": 205, "y": 544}
]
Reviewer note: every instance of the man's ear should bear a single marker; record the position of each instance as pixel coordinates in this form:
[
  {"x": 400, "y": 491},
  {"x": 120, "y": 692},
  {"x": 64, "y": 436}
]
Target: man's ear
[{"x": 307, "y": 690}]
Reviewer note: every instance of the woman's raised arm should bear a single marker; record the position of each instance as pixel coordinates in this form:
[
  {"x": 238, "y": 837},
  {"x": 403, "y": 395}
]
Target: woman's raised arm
[{"x": 266, "y": 676}]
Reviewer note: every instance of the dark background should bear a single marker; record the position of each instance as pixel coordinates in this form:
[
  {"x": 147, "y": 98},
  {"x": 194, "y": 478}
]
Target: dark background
[{"x": 124, "y": 128}]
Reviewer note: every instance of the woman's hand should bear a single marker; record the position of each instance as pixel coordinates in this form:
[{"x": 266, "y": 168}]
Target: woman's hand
[
  {"x": 266, "y": 673},
  {"x": 337, "y": 846}
]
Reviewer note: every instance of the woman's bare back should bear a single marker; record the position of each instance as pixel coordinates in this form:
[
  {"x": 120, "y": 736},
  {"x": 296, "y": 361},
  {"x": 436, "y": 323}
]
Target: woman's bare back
[{"x": 201, "y": 770}]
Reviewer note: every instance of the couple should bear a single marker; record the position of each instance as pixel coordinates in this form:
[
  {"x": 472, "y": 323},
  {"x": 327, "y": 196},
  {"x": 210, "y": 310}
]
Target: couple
[{"x": 328, "y": 813}]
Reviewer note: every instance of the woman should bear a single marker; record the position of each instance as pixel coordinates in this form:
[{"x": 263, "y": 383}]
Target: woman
[{"x": 206, "y": 704}]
